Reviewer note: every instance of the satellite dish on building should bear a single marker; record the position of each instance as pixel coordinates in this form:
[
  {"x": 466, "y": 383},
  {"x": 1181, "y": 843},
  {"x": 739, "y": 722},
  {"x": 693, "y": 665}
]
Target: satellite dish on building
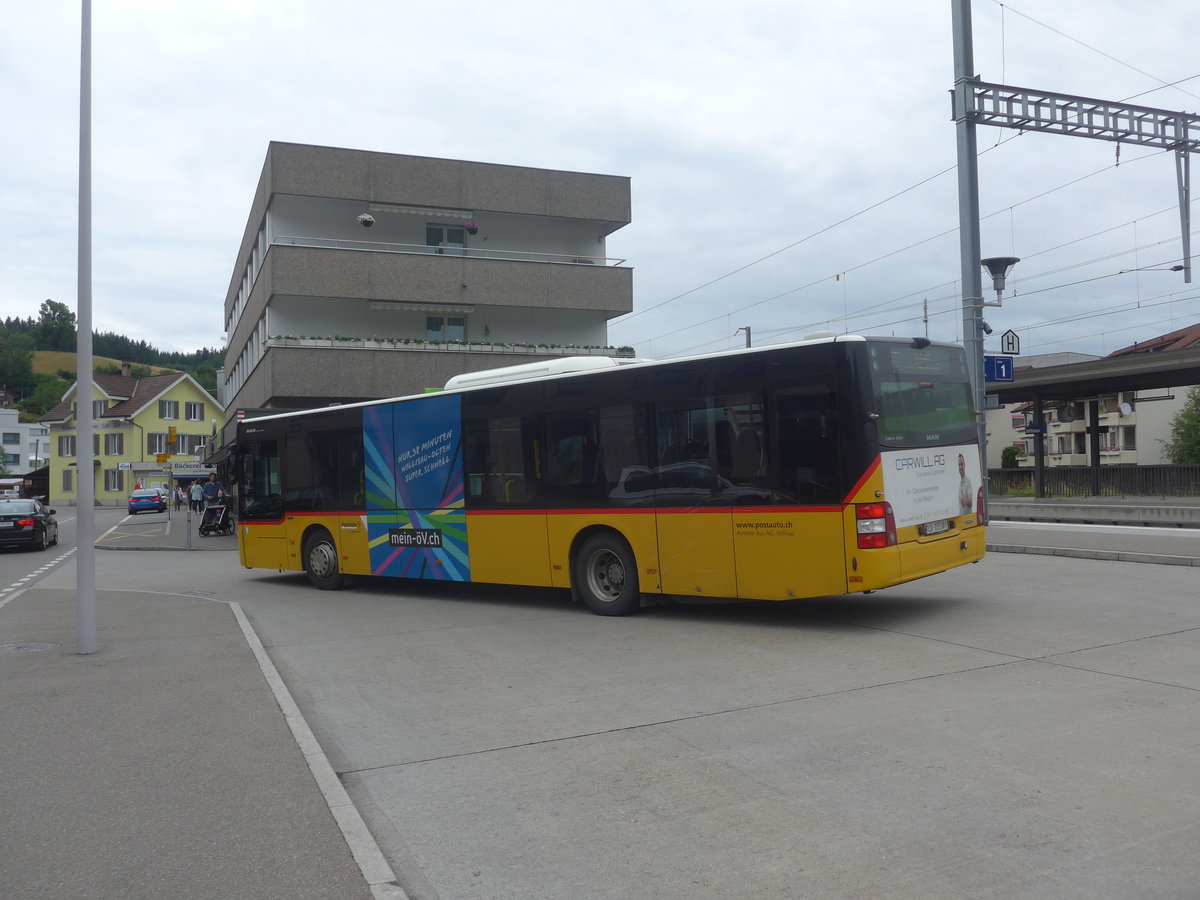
[
  {"x": 1066, "y": 413},
  {"x": 1126, "y": 409}
]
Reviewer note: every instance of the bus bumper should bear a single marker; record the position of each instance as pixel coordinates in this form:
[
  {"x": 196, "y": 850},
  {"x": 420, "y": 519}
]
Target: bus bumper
[{"x": 870, "y": 570}]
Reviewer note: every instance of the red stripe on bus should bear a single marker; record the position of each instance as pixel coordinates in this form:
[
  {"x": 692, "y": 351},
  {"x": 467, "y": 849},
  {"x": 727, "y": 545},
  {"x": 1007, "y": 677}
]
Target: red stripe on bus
[
  {"x": 661, "y": 511},
  {"x": 871, "y": 469}
]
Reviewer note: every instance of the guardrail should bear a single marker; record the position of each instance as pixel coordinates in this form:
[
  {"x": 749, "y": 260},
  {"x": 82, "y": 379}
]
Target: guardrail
[{"x": 1115, "y": 481}]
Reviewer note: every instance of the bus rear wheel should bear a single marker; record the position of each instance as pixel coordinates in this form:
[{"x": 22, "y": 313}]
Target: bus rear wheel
[
  {"x": 321, "y": 561},
  {"x": 604, "y": 576}
]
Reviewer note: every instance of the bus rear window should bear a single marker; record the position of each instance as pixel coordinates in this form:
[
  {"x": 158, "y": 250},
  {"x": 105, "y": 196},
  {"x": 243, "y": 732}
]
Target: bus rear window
[{"x": 922, "y": 395}]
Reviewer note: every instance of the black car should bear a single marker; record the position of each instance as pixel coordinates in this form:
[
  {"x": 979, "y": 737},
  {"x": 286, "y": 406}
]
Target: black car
[{"x": 27, "y": 523}]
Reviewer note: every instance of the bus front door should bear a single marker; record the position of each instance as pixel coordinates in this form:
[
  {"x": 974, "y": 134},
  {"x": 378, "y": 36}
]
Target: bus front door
[{"x": 695, "y": 533}]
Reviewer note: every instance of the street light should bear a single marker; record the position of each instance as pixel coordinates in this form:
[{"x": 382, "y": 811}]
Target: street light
[{"x": 998, "y": 267}]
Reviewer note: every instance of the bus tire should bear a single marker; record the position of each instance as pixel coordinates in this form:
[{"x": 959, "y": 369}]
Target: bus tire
[
  {"x": 321, "y": 561},
  {"x": 604, "y": 576}
]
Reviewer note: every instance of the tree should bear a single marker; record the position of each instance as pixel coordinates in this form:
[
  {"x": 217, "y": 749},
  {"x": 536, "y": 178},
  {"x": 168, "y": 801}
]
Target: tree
[
  {"x": 1183, "y": 447},
  {"x": 1009, "y": 456},
  {"x": 16, "y": 362},
  {"x": 55, "y": 329},
  {"x": 47, "y": 395}
]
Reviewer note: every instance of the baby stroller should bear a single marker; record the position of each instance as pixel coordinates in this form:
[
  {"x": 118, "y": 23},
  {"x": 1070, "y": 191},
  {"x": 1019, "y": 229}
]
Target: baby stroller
[{"x": 216, "y": 520}]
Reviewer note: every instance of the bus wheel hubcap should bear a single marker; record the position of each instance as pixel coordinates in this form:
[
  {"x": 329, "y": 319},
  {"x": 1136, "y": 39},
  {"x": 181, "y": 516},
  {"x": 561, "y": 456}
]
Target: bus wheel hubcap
[
  {"x": 608, "y": 576},
  {"x": 321, "y": 559}
]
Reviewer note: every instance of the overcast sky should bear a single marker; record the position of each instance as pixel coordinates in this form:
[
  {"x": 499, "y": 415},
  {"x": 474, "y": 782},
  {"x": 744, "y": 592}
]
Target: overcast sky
[{"x": 784, "y": 156}]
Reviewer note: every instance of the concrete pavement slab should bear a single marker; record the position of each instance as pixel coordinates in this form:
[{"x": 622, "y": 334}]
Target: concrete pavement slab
[
  {"x": 1050, "y": 788},
  {"x": 158, "y": 766}
]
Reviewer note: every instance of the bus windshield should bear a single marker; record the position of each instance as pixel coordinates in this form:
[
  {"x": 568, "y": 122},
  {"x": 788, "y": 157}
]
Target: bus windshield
[{"x": 921, "y": 394}]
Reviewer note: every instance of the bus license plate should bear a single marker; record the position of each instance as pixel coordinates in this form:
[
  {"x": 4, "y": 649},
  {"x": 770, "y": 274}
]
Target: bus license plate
[{"x": 935, "y": 527}]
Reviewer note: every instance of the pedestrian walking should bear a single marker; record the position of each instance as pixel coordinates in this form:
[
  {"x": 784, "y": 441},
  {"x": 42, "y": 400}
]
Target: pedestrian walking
[{"x": 196, "y": 492}]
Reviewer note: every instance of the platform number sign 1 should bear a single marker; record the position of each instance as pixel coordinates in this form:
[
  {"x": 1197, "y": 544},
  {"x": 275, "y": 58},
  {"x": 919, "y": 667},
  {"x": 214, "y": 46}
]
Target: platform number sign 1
[{"x": 997, "y": 368}]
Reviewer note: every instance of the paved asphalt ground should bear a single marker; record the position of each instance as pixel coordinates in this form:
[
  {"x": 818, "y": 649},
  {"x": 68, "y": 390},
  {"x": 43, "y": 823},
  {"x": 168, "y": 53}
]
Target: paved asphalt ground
[{"x": 176, "y": 762}]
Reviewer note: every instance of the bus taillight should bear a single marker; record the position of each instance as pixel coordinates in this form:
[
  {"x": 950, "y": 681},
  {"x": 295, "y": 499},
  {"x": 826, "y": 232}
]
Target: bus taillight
[
  {"x": 980, "y": 509},
  {"x": 876, "y": 525}
]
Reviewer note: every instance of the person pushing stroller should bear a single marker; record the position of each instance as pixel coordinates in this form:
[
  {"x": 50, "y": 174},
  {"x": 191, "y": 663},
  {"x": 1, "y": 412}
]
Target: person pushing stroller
[{"x": 213, "y": 491}]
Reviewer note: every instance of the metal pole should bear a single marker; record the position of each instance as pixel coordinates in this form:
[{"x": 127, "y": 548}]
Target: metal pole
[
  {"x": 85, "y": 490},
  {"x": 968, "y": 219}
]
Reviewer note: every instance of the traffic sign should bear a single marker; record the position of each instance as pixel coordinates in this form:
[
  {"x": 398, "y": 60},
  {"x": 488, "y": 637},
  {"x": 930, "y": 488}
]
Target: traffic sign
[
  {"x": 997, "y": 368},
  {"x": 1035, "y": 429},
  {"x": 162, "y": 457},
  {"x": 1010, "y": 343}
]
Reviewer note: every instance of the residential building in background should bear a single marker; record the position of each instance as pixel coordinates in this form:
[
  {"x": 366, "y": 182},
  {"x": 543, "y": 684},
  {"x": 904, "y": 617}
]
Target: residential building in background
[
  {"x": 364, "y": 275},
  {"x": 1137, "y": 423},
  {"x": 134, "y": 420},
  {"x": 24, "y": 446}
]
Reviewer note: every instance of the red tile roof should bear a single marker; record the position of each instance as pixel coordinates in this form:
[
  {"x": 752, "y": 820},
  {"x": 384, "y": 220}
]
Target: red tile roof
[
  {"x": 131, "y": 394},
  {"x": 1175, "y": 340}
]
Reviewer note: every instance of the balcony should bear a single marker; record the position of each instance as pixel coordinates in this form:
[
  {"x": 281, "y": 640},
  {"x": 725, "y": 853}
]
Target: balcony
[
  {"x": 410, "y": 273},
  {"x": 449, "y": 250}
]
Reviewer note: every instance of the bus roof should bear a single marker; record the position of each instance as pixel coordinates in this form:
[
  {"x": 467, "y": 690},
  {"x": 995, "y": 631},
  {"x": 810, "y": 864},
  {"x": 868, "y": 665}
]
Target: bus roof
[{"x": 567, "y": 366}]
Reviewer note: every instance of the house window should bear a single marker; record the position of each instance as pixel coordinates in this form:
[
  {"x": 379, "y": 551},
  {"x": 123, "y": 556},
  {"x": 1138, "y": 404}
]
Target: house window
[
  {"x": 11, "y": 437},
  {"x": 194, "y": 412},
  {"x": 66, "y": 479},
  {"x": 1129, "y": 437},
  {"x": 66, "y": 445},
  {"x": 168, "y": 409},
  {"x": 192, "y": 443},
  {"x": 1018, "y": 422},
  {"x": 114, "y": 479},
  {"x": 11, "y": 459},
  {"x": 156, "y": 442},
  {"x": 446, "y": 239},
  {"x": 98, "y": 407},
  {"x": 445, "y": 328},
  {"x": 114, "y": 444}
]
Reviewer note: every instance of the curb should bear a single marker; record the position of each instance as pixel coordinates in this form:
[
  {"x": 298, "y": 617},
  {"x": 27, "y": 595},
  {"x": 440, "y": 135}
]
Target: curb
[
  {"x": 371, "y": 862},
  {"x": 1110, "y": 555}
]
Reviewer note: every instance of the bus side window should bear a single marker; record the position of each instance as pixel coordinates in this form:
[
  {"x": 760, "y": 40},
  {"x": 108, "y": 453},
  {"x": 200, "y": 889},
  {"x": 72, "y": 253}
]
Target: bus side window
[
  {"x": 499, "y": 455},
  {"x": 808, "y": 458}
]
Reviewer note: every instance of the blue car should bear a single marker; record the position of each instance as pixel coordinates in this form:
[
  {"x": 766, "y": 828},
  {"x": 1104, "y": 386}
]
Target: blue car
[{"x": 147, "y": 499}]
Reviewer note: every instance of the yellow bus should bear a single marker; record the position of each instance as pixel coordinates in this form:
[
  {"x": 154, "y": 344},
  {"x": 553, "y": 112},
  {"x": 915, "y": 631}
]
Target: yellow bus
[{"x": 826, "y": 466}]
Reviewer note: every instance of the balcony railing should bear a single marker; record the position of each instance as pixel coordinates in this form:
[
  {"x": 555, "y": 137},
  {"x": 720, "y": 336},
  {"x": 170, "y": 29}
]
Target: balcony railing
[
  {"x": 357, "y": 343},
  {"x": 569, "y": 259}
]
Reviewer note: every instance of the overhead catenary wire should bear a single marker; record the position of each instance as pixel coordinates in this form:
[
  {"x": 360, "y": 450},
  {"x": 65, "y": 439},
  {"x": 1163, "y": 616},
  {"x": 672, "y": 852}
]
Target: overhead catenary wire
[
  {"x": 1163, "y": 84},
  {"x": 828, "y": 278}
]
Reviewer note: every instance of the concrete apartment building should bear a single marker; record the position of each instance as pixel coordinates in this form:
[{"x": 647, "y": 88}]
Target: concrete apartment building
[{"x": 364, "y": 275}]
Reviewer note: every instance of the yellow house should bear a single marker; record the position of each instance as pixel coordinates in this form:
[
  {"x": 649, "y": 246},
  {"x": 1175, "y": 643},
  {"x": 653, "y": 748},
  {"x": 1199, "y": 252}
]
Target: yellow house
[{"x": 134, "y": 420}]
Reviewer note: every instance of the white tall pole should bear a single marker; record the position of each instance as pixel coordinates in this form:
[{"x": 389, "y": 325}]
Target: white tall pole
[{"x": 85, "y": 488}]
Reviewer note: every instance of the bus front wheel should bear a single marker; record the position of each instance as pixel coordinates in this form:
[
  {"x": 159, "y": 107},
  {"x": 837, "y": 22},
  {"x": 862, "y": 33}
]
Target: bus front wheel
[
  {"x": 321, "y": 561},
  {"x": 604, "y": 576}
]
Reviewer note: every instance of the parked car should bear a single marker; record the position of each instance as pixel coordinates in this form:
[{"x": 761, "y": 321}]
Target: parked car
[
  {"x": 147, "y": 498},
  {"x": 27, "y": 523}
]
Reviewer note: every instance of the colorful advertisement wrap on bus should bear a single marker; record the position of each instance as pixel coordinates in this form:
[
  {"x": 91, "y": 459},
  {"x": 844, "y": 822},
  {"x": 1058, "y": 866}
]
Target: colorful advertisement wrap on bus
[
  {"x": 416, "y": 523},
  {"x": 931, "y": 483}
]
